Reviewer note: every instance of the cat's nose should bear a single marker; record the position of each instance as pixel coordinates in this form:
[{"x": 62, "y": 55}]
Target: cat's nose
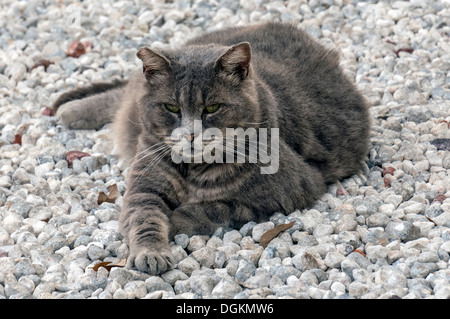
[{"x": 189, "y": 137}]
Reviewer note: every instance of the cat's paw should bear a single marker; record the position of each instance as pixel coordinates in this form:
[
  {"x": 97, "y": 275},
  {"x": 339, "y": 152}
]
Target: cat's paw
[{"x": 152, "y": 261}]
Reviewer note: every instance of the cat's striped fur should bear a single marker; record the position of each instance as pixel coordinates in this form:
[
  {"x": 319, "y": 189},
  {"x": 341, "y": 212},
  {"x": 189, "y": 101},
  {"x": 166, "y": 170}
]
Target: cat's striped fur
[{"x": 267, "y": 75}]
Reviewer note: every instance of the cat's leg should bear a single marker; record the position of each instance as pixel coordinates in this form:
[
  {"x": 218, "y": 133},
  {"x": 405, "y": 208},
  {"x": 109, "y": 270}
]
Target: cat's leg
[
  {"x": 88, "y": 112},
  {"x": 145, "y": 226},
  {"x": 205, "y": 218}
]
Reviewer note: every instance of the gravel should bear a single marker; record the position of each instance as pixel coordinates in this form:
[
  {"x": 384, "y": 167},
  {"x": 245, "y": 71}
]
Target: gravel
[{"x": 384, "y": 233}]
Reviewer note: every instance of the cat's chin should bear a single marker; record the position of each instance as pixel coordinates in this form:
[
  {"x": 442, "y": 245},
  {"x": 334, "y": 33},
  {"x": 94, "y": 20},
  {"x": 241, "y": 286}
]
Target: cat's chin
[
  {"x": 192, "y": 156},
  {"x": 192, "y": 159}
]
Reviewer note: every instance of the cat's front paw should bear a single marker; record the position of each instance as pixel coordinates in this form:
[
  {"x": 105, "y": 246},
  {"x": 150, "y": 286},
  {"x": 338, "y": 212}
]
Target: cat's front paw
[{"x": 152, "y": 261}]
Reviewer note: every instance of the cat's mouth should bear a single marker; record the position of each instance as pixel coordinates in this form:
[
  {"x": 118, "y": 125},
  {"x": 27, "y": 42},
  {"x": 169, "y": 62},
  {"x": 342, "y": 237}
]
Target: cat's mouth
[
  {"x": 235, "y": 146},
  {"x": 194, "y": 150}
]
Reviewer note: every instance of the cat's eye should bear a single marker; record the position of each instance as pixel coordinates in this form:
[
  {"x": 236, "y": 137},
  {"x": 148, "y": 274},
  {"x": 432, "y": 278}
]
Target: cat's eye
[
  {"x": 172, "y": 108},
  {"x": 212, "y": 108}
]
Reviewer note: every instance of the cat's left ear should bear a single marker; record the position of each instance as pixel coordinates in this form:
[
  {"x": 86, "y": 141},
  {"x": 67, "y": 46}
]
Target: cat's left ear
[
  {"x": 154, "y": 62},
  {"x": 235, "y": 63}
]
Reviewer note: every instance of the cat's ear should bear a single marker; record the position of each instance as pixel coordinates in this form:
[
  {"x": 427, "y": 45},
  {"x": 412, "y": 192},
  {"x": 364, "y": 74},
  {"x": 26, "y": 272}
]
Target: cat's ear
[
  {"x": 153, "y": 62},
  {"x": 235, "y": 63}
]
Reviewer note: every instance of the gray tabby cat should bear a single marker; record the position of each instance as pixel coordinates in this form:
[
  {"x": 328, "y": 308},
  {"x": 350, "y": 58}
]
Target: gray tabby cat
[{"x": 260, "y": 76}]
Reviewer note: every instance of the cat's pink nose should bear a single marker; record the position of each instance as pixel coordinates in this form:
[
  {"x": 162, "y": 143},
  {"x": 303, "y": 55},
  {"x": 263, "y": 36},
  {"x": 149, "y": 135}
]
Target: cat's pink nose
[{"x": 190, "y": 137}]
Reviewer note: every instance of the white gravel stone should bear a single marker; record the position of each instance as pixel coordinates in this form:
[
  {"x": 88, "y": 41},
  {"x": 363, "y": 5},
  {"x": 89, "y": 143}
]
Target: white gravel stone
[{"x": 260, "y": 229}]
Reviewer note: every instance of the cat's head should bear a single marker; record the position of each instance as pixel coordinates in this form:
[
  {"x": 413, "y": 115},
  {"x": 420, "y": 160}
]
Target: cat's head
[{"x": 206, "y": 86}]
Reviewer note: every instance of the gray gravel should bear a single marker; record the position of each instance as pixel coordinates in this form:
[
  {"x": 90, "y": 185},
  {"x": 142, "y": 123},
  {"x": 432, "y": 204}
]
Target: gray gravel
[{"x": 382, "y": 234}]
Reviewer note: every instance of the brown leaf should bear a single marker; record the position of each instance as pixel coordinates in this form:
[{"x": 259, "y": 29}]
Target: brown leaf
[
  {"x": 391, "y": 42},
  {"x": 431, "y": 220},
  {"x": 407, "y": 50},
  {"x": 102, "y": 264},
  {"x": 439, "y": 198},
  {"x": 17, "y": 139},
  {"x": 444, "y": 121},
  {"x": 387, "y": 182},
  {"x": 48, "y": 111},
  {"x": 76, "y": 49},
  {"x": 42, "y": 62},
  {"x": 73, "y": 155},
  {"x": 108, "y": 265},
  {"x": 113, "y": 194},
  {"x": 341, "y": 191},
  {"x": 271, "y": 234},
  {"x": 359, "y": 251},
  {"x": 389, "y": 170}
]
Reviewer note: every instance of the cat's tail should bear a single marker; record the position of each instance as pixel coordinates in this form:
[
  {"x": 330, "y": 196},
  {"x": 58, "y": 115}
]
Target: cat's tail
[{"x": 89, "y": 107}]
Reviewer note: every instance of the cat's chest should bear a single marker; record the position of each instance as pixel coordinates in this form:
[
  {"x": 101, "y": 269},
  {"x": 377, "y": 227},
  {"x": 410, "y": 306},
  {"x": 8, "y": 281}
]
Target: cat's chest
[
  {"x": 195, "y": 194},
  {"x": 213, "y": 185}
]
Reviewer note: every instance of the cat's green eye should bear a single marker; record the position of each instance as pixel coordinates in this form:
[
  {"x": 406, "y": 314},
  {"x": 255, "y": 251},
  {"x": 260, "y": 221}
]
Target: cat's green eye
[
  {"x": 172, "y": 108},
  {"x": 212, "y": 108}
]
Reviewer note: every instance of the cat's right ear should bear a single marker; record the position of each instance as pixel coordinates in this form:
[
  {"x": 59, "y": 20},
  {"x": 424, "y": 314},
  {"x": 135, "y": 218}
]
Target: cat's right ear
[{"x": 154, "y": 63}]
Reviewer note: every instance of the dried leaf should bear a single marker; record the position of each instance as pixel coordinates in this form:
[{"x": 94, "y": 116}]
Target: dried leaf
[
  {"x": 113, "y": 194},
  {"x": 391, "y": 42},
  {"x": 102, "y": 264},
  {"x": 431, "y": 220},
  {"x": 407, "y": 50},
  {"x": 271, "y": 234},
  {"x": 48, "y": 111},
  {"x": 387, "y": 182},
  {"x": 359, "y": 251},
  {"x": 76, "y": 49},
  {"x": 439, "y": 198},
  {"x": 341, "y": 191},
  {"x": 444, "y": 121},
  {"x": 17, "y": 139},
  {"x": 389, "y": 170},
  {"x": 108, "y": 265},
  {"x": 71, "y": 156},
  {"x": 43, "y": 62},
  {"x": 102, "y": 197}
]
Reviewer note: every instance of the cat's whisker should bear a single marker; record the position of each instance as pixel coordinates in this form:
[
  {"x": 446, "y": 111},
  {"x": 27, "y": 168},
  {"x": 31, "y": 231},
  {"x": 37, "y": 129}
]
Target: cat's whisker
[
  {"x": 153, "y": 163},
  {"x": 249, "y": 141},
  {"x": 157, "y": 159},
  {"x": 160, "y": 148},
  {"x": 148, "y": 151},
  {"x": 257, "y": 123},
  {"x": 135, "y": 123},
  {"x": 154, "y": 149},
  {"x": 247, "y": 157}
]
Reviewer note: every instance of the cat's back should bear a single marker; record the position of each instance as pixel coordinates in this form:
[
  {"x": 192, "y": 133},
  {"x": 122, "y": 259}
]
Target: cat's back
[
  {"x": 280, "y": 42},
  {"x": 317, "y": 104}
]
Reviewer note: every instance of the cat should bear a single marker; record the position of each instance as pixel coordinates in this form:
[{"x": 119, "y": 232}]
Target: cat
[{"x": 266, "y": 76}]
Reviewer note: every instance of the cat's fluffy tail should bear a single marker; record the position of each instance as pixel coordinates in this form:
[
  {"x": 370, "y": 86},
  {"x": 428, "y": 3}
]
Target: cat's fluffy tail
[{"x": 89, "y": 107}]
